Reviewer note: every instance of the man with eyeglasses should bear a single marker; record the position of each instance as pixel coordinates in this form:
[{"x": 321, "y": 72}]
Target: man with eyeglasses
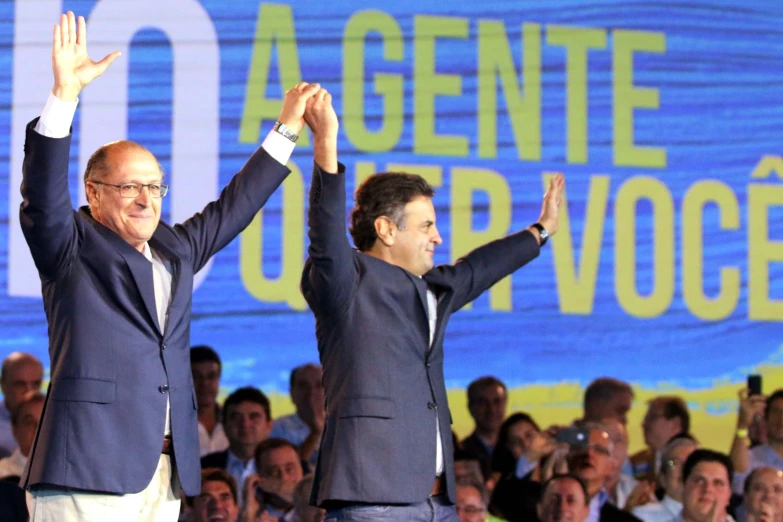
[
  {"x": 118, "y": 439},
  {"x": 472, "y": 499},
  {"x": 675, "y": 454}
]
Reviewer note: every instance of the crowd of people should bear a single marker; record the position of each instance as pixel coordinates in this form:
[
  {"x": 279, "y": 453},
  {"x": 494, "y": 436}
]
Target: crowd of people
[{"x": 258, "y": 468}]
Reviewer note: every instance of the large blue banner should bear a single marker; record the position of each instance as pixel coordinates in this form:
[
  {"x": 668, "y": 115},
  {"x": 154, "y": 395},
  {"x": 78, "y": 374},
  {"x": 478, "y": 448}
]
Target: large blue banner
[{"x": 664, "y": 117}]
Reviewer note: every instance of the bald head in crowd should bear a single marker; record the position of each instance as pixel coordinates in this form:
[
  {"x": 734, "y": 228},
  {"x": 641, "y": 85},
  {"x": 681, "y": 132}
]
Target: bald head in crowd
[{"x": 20, "y": 374}]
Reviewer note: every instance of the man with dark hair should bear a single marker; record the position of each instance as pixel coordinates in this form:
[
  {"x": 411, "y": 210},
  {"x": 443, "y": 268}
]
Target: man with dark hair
[
  {"x": 563, "y": 498},
  {"x": 607, "y": 398},
  {"x": 247, "y": 421},
  {"x": 381, "y": 313},
  {"x": 206, "y": 368},
  {"x": 218, "y": 499},
  {"x": 20, "y": 374},
  {"x": 472, "y": 500},
  {"x": 279, "y": 469},
  {"x": 487, "y": 402},
  {"x": 706, "y": 476},
  {"x": 666, "y": 417},
  {"x": 745, "y": 458},
  {"x": 305, "y": 426}
]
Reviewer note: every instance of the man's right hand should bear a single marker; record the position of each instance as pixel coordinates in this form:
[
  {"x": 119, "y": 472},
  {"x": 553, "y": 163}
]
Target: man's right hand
[
  {"x": 750, "y": 406},
  {"x": 73, "y": 68}
]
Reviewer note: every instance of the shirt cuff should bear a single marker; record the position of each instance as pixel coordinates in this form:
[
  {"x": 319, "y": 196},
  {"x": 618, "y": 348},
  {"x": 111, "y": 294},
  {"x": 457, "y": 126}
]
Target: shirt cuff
[
  {"x": 56, "y": 118},
  {"x": 278, "y": 146},
  {"x": 524, "y": 467}
]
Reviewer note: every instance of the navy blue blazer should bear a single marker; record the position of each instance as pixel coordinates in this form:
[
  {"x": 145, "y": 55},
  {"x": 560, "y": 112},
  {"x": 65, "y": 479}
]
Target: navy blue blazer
[
  {"x": 112, "y": 368},
  {"x": 384, "y": 383}
]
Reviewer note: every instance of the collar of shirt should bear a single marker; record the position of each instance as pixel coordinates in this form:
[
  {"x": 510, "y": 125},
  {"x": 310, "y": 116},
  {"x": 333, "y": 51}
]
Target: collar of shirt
[
  {"x": 5, "y": 415},
  {"x": 671, "y": 505},
  {"x": 596, "y": 504}
]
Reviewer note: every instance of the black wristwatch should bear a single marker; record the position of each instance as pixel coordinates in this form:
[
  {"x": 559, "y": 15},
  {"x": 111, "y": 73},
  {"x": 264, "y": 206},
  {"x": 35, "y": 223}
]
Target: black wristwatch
[
  {"x": 282, "y": 129},
  {"x": 542, "y": 232}
]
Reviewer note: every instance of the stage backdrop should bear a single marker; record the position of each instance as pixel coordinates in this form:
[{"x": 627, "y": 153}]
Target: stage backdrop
[{"x": 664, "y": 117}]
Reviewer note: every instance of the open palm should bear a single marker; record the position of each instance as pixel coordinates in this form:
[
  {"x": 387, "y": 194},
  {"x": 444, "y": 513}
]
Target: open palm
[{"x": 73, "y": 68}]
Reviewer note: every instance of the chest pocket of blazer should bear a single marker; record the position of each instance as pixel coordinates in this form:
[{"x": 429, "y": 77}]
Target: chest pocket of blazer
[
  {"x": 84, "y": 390},
  {"x": 378, "y": 407}
]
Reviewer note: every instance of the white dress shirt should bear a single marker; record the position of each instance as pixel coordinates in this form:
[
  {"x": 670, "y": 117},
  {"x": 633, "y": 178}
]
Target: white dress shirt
[
  {"x": 662, "y": 511},
  {"x": 432, "y": 313},
  {"x": 13, "y": 466},
  {"x": 55, "y": 122}
]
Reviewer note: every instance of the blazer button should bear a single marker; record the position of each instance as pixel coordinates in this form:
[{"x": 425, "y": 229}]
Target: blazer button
[
  {"x": 164, "y": 388},
  {"x": 163, "y": 346},
  {"x": 429, "y": 364},
  {"x": 431, "y": 405}
]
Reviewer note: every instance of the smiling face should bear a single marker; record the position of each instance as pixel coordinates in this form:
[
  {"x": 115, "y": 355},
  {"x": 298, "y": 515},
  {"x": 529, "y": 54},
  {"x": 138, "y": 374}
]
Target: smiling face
[
  {"x": 413, "y": 246},
  {"x": 215, "y": 503},
  {"x": 133, "y": 219}
]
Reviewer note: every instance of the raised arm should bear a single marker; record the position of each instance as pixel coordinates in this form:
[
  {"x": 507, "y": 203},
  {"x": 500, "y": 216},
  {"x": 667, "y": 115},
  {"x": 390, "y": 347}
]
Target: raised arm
[
  {"x": 46, "y": 213},
  {"x": 222, "y": 220},
  {"x": 329, "y": 275},
  {"x": 488, "y": 264}
]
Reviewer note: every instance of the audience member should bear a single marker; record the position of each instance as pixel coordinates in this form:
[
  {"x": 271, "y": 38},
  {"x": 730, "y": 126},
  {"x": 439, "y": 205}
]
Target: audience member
[
  {"x": 595, "y": 465},
  {"x": 270, "y": 491},
  {"x": 666, "y": 417},
  {"x": 746, "y": 459},
  {"x": 707, "y": 477},
  {"x": 20, "y": 373},
  {"x": 516, "y": 437},
  {"x": 246, "y": 420},
  {"x": 305, "y": 427},
  {"x": 673, "y": 458},
  {"x": 763, "y": 496},
  {"x": 206, "y": 367},
  {"x": 472, "y": 500},
  {"x": 620, "y": 487},
  {"x": 218, "y": 498},
  {"x": 607, "y": 398},
  {"x": 487, "y": 401},
  {"x": 24, "y": 423},
  {"x": 563, "y": 499}
]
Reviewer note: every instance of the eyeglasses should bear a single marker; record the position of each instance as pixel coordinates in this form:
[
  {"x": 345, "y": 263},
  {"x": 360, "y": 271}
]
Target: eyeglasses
[
  {"x": 132, "y": 190},
  {"x": 469, "y": 510}
]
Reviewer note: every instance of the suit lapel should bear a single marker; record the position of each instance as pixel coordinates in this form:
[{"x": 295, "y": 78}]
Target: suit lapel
[
  {"x": 176, "y": 290},
  {"x": 421, "y": 289},
  {"x": 140, "y": 267}
]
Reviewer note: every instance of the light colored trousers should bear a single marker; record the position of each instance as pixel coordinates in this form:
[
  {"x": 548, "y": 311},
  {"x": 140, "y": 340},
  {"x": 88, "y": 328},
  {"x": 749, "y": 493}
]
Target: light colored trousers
[{"x": 158, "y": 502}]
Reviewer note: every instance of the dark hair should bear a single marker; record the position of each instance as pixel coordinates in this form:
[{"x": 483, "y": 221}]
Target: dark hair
[
  {"x": 481, "y": 383},
  {"x": 220, "y": 475},
  {"x": 471, "y": 482},
  {"x": 32, "y": 397},
  {"x": 776, "y": 395},
  {"x": 705, "y": 455},
  {"x": 265, "y": 446},
  {"x": 561, "y": 476},
  {"x": 604, "y": 389},
  {"x": 247, "y": 394},
  {"x": 384, "y": 194},
  {"x": 204, "y": 353},
  {"x": 296, "y": 371},
  {"x": 503, "y": 460},
  {"x": 674, "y": 407}
]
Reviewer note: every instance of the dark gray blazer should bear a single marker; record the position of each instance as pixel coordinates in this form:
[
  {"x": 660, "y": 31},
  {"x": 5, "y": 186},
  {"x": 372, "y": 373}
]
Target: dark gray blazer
[
  {"x": 112, "y": 369},
  {"x": 384, "y": 384}
]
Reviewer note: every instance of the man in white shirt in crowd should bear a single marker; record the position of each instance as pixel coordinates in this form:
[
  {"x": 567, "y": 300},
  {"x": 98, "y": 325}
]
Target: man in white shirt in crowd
[
  {"x": 674, "y": 456},
  {"x": 744, "y": 458},
  {"x": 206, "y": 367},
  {"x": 24, "y": 424},
  {"x": 20, "y": 374},
  {"x": 304, "y": 427},
  {"x": 247, "y": 420},
  {"x": 706, "y": 476}
]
